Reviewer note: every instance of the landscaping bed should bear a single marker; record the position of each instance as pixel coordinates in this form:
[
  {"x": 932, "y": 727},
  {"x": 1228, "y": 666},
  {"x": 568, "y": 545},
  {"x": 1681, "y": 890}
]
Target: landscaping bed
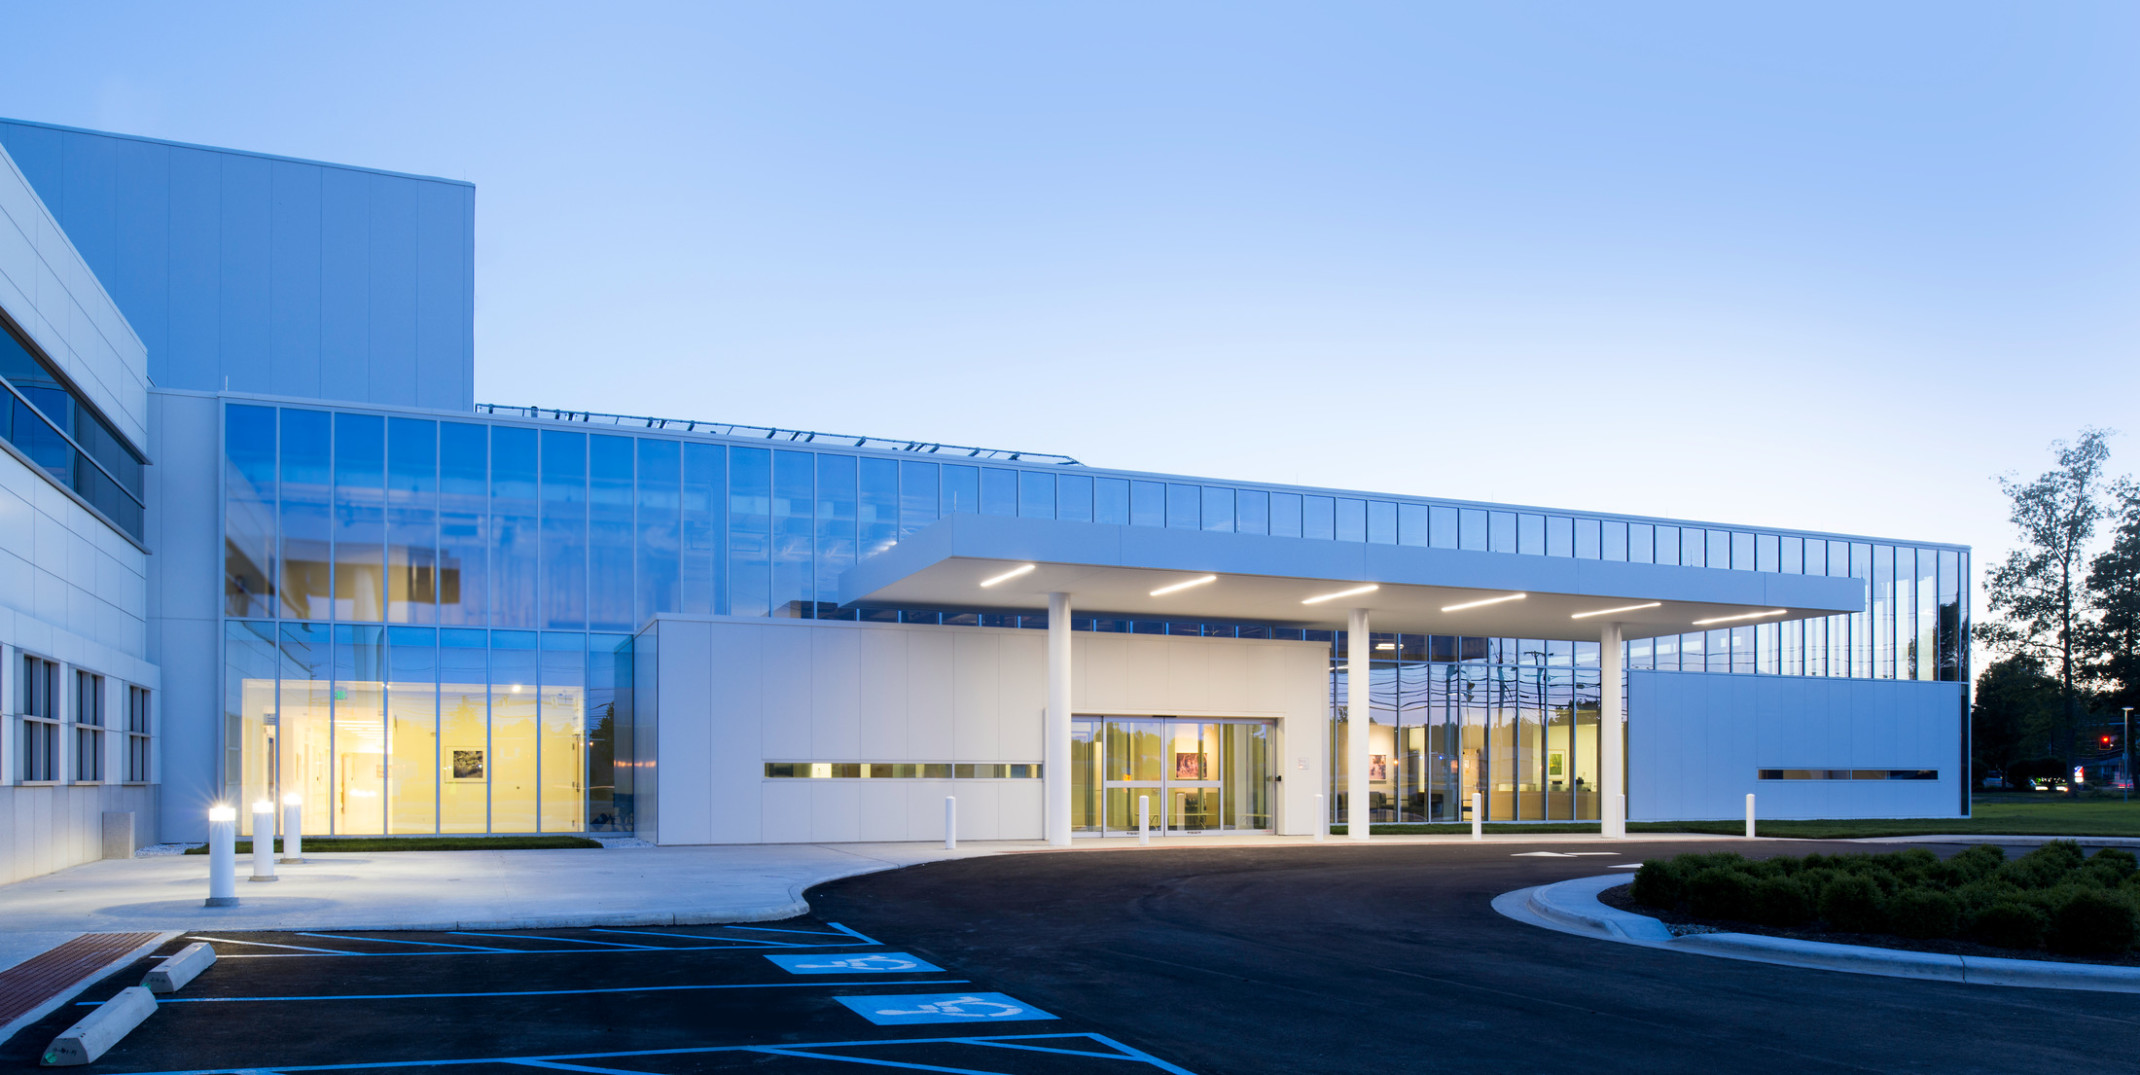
[{"x": 2055, "y": 902}]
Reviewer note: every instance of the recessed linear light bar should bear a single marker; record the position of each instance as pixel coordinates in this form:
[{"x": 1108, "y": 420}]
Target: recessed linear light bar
[
  {"x": 1180, "y": 586},
  {"x": 1610, "y": 611},
  {"x": 1009, "y": 575},
  {"x": 1488, "y": 601},
  {"x": 1354, "y": 592},
  {"x": 1743, "y": 616}
]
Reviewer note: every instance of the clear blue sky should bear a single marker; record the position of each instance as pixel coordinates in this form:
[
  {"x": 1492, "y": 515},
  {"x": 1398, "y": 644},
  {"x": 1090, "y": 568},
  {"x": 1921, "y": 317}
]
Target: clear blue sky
[{"x": 1796, "y": 264}]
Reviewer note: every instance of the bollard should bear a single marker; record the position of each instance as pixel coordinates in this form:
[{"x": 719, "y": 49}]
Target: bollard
[
  {"x": 951, "y": 823},
  {"x": 1322, "y": 820},
  {"x": 1749, "y": 815},
  {"x": 1144, "y": 821},
  {"x": 222, "y": 856},
  {"x": 263, "y": 841},
  {"x": 293, "y": 829},
  {"x": 1478, "y": 816}
]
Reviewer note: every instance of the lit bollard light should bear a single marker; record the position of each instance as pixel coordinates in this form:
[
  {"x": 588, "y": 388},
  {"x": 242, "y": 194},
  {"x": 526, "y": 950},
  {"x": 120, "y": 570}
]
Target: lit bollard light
[
  {"x": 1749, "y": 815},
  {"x": 1478, "y": 816},
  {"x": 222, "y": 856},
  {"x": 1322, "y": 819},
  {"x": 951, "y": 823},
  {"x": 1144, "y": 821},
  {"x": 263, "y": 841},
  {"x": 293, "y": 829}
]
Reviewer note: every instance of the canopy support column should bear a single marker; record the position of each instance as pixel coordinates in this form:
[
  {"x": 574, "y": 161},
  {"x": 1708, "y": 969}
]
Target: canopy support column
[
  {"x": 1612, "y": 736},
  {"x": 1358, "y": 712},
  {"x": 1055, "y": 755}
]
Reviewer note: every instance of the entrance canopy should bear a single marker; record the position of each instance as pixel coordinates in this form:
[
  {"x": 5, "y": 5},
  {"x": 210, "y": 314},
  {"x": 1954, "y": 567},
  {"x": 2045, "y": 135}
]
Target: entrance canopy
[{"x": 1113, "y": 571}]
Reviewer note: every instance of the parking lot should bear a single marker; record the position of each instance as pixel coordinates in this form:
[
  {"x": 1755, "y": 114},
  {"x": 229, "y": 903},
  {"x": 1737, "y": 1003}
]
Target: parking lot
[
  {"x": 1332, "y": 958},
  {"x": 802, "y": 995}
]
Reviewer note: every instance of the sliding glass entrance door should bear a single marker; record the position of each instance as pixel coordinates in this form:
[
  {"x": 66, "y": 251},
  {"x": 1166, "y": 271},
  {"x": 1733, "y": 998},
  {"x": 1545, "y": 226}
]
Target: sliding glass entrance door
[{"x": 1193, "y": 776}]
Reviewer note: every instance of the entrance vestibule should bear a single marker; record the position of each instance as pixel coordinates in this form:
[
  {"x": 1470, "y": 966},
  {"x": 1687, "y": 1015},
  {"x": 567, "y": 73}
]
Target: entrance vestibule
[{"x": 1200, "y": 775}]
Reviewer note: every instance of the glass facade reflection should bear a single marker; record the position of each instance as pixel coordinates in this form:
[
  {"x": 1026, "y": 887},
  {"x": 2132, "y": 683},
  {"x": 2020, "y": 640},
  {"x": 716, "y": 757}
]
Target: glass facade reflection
[
  {"x": 428, "y": 617},
  {"x": 1513, "y": 721}
]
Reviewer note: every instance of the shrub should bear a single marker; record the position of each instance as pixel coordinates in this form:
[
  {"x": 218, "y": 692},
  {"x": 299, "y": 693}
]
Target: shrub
[
  {"x": 1851, "y": 903},
  {"x": 1971, "y": 866},
  {"x": 1659, "y": 883},
  {"x": 1779, "y": 901},
  {"x": 1720, "y": 892},
  {"x": 2010, "y": 923},
  {"x": 2090, "y": 921},
  {"x": 1924, "y": 913},
  {"x": 2109, "y": 868}
]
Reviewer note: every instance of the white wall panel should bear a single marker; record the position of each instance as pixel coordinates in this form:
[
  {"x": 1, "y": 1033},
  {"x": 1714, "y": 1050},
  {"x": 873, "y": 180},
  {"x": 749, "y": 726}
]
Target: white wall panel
[
  {"x": 922, "y": 694},
  {"x": 1697, "y": 742}
]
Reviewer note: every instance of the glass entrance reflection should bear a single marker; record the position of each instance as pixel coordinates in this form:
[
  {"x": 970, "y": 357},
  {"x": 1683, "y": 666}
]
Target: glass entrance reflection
[{"x": 1199, "y": 776}]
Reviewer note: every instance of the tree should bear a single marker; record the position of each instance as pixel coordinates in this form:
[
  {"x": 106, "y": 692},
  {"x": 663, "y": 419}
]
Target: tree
[
  {"x": 2038, "y": 594},
  {"x": 2015, "y": 717},
  {"x": 2113, "y": 640}
]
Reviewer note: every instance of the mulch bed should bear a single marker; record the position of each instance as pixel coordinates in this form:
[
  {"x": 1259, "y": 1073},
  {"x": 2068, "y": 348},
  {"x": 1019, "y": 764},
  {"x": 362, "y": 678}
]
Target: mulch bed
[{"x": 1620, "y": 898}]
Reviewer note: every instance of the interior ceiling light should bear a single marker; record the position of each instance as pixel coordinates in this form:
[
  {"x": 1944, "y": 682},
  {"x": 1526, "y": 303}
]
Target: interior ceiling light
[
  {"x": 1385, "y": 645},
  {"x": 1026, "y": 569},
  {"x": 1180, "y": 586},
  {"x": 1610, "y": 611},
  {"x": 1487, "y": 601},
  {"x": 1354, "y": 592},
  {"x": 1743, "y": 616}
]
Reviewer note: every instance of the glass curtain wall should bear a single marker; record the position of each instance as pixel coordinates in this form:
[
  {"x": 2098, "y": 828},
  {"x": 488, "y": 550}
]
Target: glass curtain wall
[
  {"x": 508, "y": 534},
  {"x": 1513, "y": 721},
  {"x": 415, "y": 730}
]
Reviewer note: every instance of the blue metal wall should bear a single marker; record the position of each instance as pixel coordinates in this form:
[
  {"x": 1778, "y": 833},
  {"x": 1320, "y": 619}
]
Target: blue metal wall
[{"x": 285, "y": 277}]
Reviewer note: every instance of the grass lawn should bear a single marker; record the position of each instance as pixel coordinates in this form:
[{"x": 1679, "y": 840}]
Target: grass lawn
[
  {"x": 423, "y": 843},
  {"x": 2009, "y": 814}
]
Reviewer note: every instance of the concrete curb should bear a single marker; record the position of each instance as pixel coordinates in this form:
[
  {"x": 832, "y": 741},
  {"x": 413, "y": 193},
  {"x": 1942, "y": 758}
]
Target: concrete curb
[
  {"x": 1573, "y": 907},
  {"x": 1974, "y": 838}
]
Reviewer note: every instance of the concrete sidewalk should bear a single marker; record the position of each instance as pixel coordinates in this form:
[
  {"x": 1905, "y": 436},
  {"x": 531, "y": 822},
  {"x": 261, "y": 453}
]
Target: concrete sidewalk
[{"x": 442, "y": 890}]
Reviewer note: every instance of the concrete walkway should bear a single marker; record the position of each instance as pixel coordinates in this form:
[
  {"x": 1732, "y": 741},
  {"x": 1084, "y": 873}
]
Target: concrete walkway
[{"x": 441, "y": 890}]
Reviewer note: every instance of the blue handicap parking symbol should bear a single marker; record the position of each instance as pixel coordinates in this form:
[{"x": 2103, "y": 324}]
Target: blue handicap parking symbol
[
  {"x": 850, "y": 963},
  {"x": 941, "y": 1008}
]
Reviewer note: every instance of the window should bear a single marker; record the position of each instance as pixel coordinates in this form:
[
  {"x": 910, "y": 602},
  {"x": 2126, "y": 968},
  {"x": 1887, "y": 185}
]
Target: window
[
  {"x": 43, "y": 416},
  {"x": 850, "y": 770},
  {"x": 88, "y": 727},
  {"x": 40, "y": 719},
  {"x": 137, "y": 735}
]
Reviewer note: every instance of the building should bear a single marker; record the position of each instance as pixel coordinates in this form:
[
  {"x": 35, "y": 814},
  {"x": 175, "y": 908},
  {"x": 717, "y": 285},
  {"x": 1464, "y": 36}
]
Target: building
[{"x": 344, "y": 579}]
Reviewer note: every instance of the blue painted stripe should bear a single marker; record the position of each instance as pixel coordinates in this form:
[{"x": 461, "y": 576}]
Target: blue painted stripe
[
  {"x": 873, "y": 1061},
  {"x": 769, "y": 929},
  {"x": 1139, "y": 1054},
  {"x": 555, "y": 1066},
  {"x": 727, "y": 944},
  {"x": 567, "y": 940},
  {"x": 287, "y": 1069},
  {"x": 535, "y": 992},
  {"x": 854, "y": 934}
]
